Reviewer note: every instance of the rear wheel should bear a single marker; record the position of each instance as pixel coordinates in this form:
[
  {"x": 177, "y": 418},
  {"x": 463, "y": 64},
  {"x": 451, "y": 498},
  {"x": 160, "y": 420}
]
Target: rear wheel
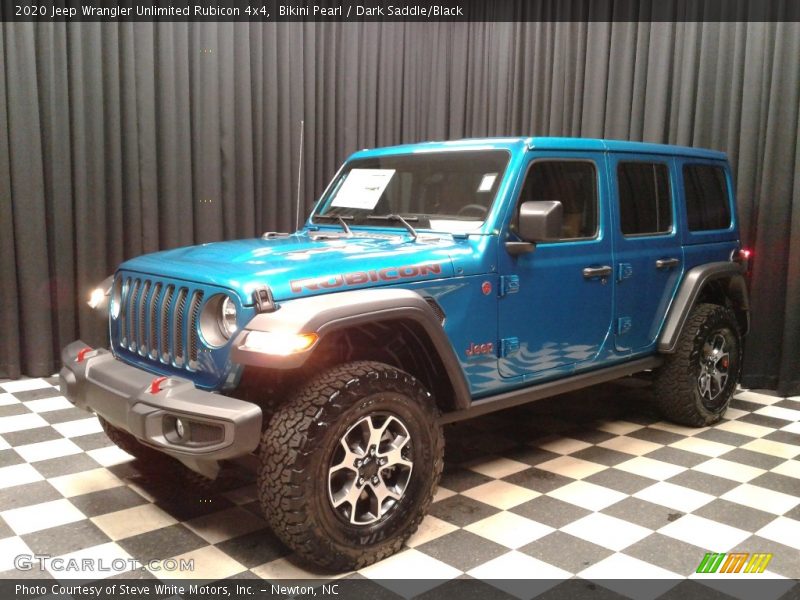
[
  {"x": 349, "y": 466},
  {"x": 695, "y": 385}
]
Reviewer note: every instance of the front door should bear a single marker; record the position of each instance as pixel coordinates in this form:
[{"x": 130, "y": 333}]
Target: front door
[
  {"x": 649, "y": 257},
  {"x": 555, "y": 308}
]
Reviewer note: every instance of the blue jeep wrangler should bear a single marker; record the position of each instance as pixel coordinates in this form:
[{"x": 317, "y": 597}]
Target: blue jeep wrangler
[{"x": 433, "y": 282}]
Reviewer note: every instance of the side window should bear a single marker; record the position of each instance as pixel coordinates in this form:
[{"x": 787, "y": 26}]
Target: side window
[
  {"x": 574, "y": 184},
  {"x": 645, "y": 205},
  {"x": 706, "y": 197}
]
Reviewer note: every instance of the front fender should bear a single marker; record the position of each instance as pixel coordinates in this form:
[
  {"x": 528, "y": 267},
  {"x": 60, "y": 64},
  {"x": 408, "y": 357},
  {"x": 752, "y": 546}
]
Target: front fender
[{"x": 329, "y": 313}]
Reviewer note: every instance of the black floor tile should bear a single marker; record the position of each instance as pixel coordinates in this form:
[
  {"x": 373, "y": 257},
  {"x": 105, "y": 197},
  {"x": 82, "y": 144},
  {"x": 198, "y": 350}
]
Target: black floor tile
[
  {"x": 473, "y": 550},
  {"x": 550, "y": 511},
  {"x": 566, "y": 551},
  {"x": 641, "y": 512},
  {"x": 735, "y": 515}
]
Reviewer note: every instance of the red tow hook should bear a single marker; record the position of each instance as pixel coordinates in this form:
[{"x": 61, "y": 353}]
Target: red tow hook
[
  {"x": 155, "y": 385},
  {"x": 82, "y": 354}
]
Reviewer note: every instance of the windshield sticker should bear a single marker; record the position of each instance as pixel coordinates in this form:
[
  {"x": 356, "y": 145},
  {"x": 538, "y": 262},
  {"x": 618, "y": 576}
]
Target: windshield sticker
[
  {"x": 487, "y": 182},
  {"x": 363, "y": 188}
]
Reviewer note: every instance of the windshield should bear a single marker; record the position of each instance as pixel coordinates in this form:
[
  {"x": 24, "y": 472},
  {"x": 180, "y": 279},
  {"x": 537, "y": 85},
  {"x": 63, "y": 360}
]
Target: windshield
[{"x": 441, "y": 191}]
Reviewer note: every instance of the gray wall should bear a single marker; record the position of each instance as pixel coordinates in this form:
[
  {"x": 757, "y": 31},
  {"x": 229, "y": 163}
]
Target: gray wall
[{"x": 119, "y": 139}]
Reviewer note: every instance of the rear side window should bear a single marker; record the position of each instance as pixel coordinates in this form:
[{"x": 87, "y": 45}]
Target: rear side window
[
  {"x": 574, "y": 184},
  {"x": 644, "y": 198},
  {"x": 706, "y": 197}
]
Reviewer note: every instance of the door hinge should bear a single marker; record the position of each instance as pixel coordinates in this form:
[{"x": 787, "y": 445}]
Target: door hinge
[
  {"x": 509, "y": 346},
  {"x": 509, "y": 284},
  {"x": 624, "y": 325},
  {"x": 624, "y": 271}
]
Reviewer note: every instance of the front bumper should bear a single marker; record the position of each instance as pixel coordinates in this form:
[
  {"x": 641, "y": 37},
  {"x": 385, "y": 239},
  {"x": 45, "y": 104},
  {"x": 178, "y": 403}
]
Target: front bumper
[{"x": 216, "y": 427}]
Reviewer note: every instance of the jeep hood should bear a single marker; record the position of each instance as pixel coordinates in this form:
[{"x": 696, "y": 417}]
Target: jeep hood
[{"x": 303, "y": 264}]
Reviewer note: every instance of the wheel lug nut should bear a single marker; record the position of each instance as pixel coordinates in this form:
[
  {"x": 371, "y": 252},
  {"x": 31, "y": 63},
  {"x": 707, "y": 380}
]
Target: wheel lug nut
[{"x": 375, "y": 479}]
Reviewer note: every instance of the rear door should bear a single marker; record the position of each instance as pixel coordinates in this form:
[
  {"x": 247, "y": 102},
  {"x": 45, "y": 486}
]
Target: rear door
[{"x": 648, "y": 252}]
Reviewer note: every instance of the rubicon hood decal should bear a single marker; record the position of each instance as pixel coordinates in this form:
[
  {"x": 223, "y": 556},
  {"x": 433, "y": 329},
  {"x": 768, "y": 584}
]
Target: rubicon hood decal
[{"x": 362, "y": 277}]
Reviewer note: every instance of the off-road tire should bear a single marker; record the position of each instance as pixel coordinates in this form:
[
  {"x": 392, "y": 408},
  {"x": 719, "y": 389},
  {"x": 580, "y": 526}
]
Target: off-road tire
[
  {"x": 677, "y": 393},
  {"x": 299, "y": 444}
]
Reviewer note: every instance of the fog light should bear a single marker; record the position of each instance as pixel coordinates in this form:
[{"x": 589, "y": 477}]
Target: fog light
[
  {"x": 279, "y": 344},
  {"x": 180, "y": 428}
]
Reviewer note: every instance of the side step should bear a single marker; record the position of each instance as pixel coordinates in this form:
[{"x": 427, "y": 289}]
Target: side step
[{"x": 550, "y": 388}]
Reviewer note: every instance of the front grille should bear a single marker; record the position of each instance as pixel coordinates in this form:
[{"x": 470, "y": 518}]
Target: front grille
[{"x": 159, "y": 321}]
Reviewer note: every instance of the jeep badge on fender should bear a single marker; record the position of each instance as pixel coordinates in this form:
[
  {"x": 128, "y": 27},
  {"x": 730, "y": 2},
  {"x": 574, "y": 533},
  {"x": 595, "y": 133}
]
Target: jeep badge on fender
[{"x": 432, "y": 283}]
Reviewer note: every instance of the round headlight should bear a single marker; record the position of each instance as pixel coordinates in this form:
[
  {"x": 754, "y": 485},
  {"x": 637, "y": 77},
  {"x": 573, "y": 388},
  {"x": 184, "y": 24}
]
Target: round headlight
[
  {"x": 116, "y": 298},
  {"x": 227, "y": 317}
]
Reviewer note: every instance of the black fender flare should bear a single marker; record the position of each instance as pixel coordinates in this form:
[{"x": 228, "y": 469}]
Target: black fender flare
[
  {"x": 328, "y": 313},
  {"x": 689, "y": 291}
]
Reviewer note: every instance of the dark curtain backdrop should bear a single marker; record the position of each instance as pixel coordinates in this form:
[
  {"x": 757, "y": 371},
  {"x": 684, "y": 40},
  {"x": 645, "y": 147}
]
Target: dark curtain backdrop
[{"x": 119, "y": 139}]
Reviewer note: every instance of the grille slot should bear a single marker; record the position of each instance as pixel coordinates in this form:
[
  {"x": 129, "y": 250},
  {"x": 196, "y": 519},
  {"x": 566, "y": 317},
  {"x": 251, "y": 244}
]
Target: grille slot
[
  {"x": 153, "y": 341},
  {"x": 194, "y": 315},
  {"x": 178, "y": 327},
  {"x": 165, "y": 306},
  {"x": 159, "y": 320}
]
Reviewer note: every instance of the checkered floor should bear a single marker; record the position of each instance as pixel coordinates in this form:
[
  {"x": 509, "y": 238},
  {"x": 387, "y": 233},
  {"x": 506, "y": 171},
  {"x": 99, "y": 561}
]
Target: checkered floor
[{"x": 591, "y": 484}]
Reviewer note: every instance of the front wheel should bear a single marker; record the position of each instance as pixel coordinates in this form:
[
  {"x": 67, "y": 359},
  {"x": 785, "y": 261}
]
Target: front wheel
[
  {"x": 695, "y": 385},
  {"x": 349, "y": 465}
]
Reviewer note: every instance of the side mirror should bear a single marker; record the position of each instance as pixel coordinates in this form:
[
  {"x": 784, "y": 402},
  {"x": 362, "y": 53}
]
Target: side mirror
[{"x": 540, "y": 221}]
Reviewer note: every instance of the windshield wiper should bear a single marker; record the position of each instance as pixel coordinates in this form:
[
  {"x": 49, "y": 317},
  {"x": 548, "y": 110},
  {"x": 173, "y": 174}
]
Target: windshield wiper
[
  {"x": 339, "y": 219},
  {"x": 404, "y": 221}
]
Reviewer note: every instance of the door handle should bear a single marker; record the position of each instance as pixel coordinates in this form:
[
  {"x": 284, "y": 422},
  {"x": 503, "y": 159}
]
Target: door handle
[
  {"x": 592, "y": 272},
  {"x": 667, "y": 263}
]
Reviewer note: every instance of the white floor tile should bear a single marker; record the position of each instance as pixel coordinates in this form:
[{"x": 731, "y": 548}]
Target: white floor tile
[
  {"x": 109, "y": 456},
  {"x": 758, "y": 398},
  {"x": 782, "y": 530},
  {"x": 772, "y": 448},
  {"x": 569, "y": 466},
  {"x": 742, "y": 428},
  {"x": 704, "y": 447},
  {"x": 509, "y": 529},
  {"x": 8, "y": 399},
  {"x": 18, "y": 475},
  {"x": 71, "y": 429},
  {"x": 729, "y": 470},
  {"x": 410, "y": 561},
  {"x": 790, "y": 468},
  {"x": 41, "y": 516},
  {"x": 702, "y": 532},
  {"x": 24, "y": 385},
  {"x": 85, "y": 482},
  {"x": 651, "y": 468},
  {"x": 46, "y": 450},
  {"x": 133, "y": 521},
  {"x": 495, "y": 466},
  {"x": 678, "y": 429},
  {"x": 21, "y": 422},
  {"x": 10, "y": 548},
  {"x": 587, "y": 495},
  {"x": 430, "y": 529},
  {"x": 561, "y": 445},
  {"x": 107, "y": 553},
  {"x": 778, "y": 412},
  {"x": 630, "y": 445},
  {"x": 293, "y": 568},
  {"x": 606, "y": 531},
  {"x": 501, "y": 494},
  {"x": 48, "y": 404},
  {"x": 760, "y": 498},
  {"x": 618, "y": 427},
  {"x": 622, "y": 567},
  {"x": 516, "y": 565},
  {"x": 674, "y": 496}
]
